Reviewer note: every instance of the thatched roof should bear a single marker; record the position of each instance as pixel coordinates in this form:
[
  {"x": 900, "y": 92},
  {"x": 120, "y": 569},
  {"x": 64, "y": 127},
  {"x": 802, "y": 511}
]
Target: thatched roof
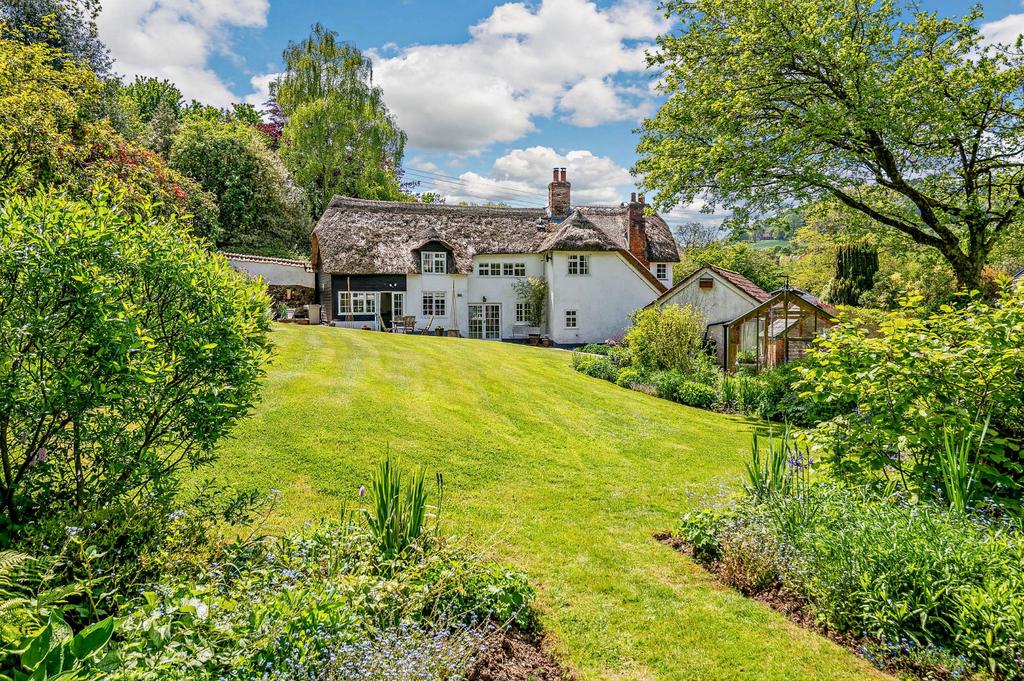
[
  {"x": 577, "y": 233},
  {"x": 357, "y": 236}
]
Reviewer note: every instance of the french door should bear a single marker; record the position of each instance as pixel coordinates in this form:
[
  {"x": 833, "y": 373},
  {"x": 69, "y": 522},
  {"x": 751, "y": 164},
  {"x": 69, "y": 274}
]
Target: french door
[{"x": 485, "y": 321}]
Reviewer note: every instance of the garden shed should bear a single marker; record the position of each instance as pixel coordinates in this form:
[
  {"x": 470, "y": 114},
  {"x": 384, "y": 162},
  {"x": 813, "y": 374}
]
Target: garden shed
[{"x": 778, "y": 330}]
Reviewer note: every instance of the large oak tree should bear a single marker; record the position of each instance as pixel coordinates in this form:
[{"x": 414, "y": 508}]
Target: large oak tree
[{"x": 904, "y": 116}]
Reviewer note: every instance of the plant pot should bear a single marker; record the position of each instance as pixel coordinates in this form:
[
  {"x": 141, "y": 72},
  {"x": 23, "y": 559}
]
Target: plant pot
[
  {"x": 533, "y": 339},
  {"x": 290, "y": 314},
  {"x": 439, "y": 331}
]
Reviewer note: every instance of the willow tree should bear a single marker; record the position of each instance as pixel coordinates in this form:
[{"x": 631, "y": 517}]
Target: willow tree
[
  {"x": 904, "y": 116},
  {"x": 338, "y": 137}
]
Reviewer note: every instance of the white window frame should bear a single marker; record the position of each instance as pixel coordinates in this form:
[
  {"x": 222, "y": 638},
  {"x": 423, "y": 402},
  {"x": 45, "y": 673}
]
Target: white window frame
[
  {"x": 488, "y": 269},
  {"x": 661, "y": 271},
  {"x": 434, "y": 262},
  {"x": 522, "y": 313},
  {"x": 397, "y": 304},
  {"x": 579, "y": 265},
  {"x": 357, "y": 302},
  {"x": 513, "y": 269},
  {"x": 435, "y": 297},
  {"x": 574, "y": 315}
]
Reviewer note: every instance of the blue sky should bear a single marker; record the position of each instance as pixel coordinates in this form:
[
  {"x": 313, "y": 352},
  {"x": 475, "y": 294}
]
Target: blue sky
[{"x": 492, "y": 94}]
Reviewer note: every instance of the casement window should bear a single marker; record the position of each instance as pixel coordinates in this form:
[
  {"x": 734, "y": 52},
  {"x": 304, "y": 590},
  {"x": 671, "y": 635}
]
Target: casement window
[
  {"x": 435, "y": 304},
  {"x": 397, "y": 305},
  {"x": 570, "y": 319},
  {"x": 523, "y": 313},
  {"x": 434, "y": 262},
  {"x": 661, "y": 271},
  {"x": 489, "y": 269},
  {"x": 513, "y": 269},
  {"x": 501, "y": 269},
  {"x": 579, "y": 264},
  {"x": 357, "y": 302}
]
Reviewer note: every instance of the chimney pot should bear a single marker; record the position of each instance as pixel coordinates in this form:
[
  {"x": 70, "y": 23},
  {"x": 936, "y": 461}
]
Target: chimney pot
[
  {"x": 632, "y": 197},
  {"x": 554, "y": 174},
  {"x": 559, "y": 201}
]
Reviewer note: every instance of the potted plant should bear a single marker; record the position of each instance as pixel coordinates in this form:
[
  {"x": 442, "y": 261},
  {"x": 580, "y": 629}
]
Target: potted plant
[
  {"x": 282, "y": 311},
  {"x": 439, "y": 331},
  {"x": 534, "y": 292}
]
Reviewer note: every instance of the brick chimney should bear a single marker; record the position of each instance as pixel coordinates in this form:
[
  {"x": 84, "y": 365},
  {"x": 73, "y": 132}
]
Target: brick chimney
[
  {"x": 558, "y": 194},
  {"x": 637, "y": 230}
]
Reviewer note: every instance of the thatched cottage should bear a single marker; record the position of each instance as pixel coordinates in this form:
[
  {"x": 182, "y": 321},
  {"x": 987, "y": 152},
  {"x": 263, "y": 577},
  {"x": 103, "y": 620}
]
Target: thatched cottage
[{"x": 455, "y": 267}]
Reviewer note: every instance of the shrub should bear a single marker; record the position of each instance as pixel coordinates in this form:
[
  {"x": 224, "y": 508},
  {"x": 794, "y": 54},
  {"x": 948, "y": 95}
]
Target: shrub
[
  {"x": 126, "y": 352},
  {"x": 666, "y": 338},
  {"x": 672, "y": 385},
  {"x": 597, "y": 367},
  {"x": 918, "y": 377},
  {"x": 628, "y": 377},
  {"x": 597, "y": 348},
  {"x": 886, "y": 566}
]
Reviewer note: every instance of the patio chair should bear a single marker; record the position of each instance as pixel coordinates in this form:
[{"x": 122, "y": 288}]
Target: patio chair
[{"x": 406, "y": 324}]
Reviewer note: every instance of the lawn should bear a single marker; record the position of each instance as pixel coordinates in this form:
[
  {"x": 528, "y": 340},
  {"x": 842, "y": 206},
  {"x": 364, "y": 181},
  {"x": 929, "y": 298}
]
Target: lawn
[{"x": 565, "y": 476}]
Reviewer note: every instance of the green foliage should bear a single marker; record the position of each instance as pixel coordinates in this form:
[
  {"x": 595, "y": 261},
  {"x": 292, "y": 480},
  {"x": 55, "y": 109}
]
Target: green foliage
[
  {"x": 759, "y": 266},
  {"x": 913, "y": 378},
  {"x": 909, "y": 575},
  {"x": 674, "y": 385},
  {"x": 54, "y": 653},
  {"x": 856, "y": 267},
  {"x": 534, "y": 292},
  {"x": 767, "y": 471},
  {"x": 126, "y": 352},
  {"x": 771, "y": 101},
  {"x": 50, "y": 138},
  {"x": 397, "y": 518},
  {"x": 289, "y": 606},
  {"x": 339, "y": 137},
  {"x": 596, "y": 349},
  {"x": 627, "y": 377},
  {"x": 150, "y": 95},
  {"x": 701, "y": 529},
  {"x": 597, "y": 367},
  {"x": 68, "y": 27},
  {"x": 958, "y": 463},
  {"x": 664, "y": 338},
  {"x": 260, "y": 211}
]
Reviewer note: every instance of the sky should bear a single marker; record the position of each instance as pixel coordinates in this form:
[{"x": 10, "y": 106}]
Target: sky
[{"x": 492, "y": 95}]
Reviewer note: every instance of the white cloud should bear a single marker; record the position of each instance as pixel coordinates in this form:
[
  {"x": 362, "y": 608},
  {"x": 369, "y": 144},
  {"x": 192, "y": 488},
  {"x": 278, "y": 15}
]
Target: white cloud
[
  {"x": 1003, "y": 30},
  {"x": 174, "y": 39},
  {"x": 522, "y": 62},
  {"x": 261, "y": 89},
  {"x": 521, "y": 177}
]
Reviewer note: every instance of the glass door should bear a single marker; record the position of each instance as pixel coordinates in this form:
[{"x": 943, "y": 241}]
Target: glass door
[{"x": 485, "y": 321}]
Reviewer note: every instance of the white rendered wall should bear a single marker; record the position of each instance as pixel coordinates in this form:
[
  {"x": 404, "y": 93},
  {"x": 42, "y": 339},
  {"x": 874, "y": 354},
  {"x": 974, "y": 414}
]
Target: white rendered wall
[
  {"x": 603, "y": 299},
  {"x": 501, "y": 289},
  {"x": 453, "y": 285}
]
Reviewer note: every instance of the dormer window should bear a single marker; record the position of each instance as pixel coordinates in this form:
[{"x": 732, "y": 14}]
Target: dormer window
[
  {"x": 434, "y": 262},
  {"x": 661, "y": 271}
]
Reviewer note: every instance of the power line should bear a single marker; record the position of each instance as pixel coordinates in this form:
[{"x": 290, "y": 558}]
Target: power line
[{"x": 464, "y": 189}]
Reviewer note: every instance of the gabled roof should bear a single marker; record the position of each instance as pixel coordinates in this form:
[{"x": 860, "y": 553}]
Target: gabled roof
[
  {"x": 357, "y": 236},
  {"x": 755, "y": 293},
  {"x": 806, "y": 299}
]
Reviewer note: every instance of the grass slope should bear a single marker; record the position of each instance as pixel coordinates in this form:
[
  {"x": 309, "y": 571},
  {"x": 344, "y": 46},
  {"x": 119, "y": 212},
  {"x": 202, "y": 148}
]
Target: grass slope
[{"x": 561, "y": 474}]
